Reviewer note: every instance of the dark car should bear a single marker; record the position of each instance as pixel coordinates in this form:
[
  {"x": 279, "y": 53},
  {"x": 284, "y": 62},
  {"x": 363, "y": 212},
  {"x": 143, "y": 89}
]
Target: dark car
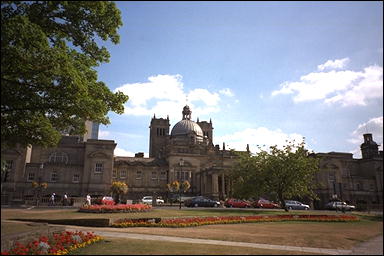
[
  {"x": 201, "y": 201},
  {"x": 236, "y": 203}
]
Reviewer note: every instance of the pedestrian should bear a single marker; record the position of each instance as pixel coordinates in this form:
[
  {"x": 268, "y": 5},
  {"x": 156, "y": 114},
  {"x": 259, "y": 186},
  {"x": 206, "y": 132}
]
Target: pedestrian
[
  {"x": 53, "y": 199},
  {"x": 65, "y": 200},
  {"x": 88, "y": 199}
]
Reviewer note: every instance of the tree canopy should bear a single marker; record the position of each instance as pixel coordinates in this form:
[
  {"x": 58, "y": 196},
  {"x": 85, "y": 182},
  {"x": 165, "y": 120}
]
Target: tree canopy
[
  {"x": 282, "y": 174},
  {"x": 49, "y": 51}
]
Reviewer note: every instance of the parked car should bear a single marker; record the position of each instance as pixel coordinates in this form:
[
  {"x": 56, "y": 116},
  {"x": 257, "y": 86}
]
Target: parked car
[
  {"x": 108, "y": 200},
  {"x": 338, "y": 205},
  {"x": 264, "y": 203},
  {"x": 296, "y": 205},
  {"x": 236, "y": 203},
  {"x": 148, "y": 200},
  {"x": 201, "y": 201}
]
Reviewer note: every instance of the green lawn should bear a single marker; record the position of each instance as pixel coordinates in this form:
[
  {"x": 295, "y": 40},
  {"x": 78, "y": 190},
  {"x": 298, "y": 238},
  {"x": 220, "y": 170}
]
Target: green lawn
[
  {"x": 47, "y": 213},
  {"x": 121, "y": 246},
  {"x": 308, "y": 234}
]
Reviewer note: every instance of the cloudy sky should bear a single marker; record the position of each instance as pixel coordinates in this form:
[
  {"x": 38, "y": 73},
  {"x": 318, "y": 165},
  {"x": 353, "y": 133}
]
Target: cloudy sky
[{"x": 264, "y": 72}]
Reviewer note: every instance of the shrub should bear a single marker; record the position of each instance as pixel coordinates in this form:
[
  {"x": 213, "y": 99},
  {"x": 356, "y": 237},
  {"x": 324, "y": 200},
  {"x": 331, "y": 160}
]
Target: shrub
[
  {"x": 198, "y": 221},
  {"x": 115, "y": 208},
  {"x": 58, "y": 244}
]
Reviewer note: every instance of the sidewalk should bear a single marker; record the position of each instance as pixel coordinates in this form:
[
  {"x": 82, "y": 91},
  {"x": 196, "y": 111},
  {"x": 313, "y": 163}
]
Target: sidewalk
[{"x": 371, "y": 247}]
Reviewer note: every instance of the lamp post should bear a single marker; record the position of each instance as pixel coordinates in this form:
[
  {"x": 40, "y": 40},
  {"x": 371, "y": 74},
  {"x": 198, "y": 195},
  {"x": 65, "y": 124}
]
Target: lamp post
[
  {"x": 181, "y": 163},
  {"x": 39, "y": 185}
]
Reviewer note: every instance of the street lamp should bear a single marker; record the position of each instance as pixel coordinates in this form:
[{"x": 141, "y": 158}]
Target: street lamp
[{"x": 39, "y": 185}]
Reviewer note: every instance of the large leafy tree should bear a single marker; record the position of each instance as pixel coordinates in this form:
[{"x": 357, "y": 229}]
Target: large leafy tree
[
  {"x": 280, "y": 173},
  {"x": 49, "y": 51}
]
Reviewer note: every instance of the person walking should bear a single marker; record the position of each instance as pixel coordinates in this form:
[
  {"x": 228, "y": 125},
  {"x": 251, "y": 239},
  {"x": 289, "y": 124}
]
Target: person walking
[
  {"x": 65, "y": 200},
  {"x": 52, "y": 202},
  {"x": 88, "y": 200}
]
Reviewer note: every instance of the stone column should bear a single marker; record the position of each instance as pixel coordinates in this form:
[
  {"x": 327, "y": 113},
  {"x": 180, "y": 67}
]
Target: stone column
[
  {"x": 215, "y": 185},
  {"x": 204, "y": 185},
  {"x": 223, "y": 189}
]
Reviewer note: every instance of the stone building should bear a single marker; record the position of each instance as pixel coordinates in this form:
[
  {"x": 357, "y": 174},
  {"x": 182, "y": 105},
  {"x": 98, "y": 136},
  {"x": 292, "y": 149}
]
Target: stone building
[
  {"x": 185, "y": 153},
  {"x": 85, "y": 164},
  {"x": 357, "y": 181},
  {"x": 81, "y": 165},
  {"x": 75, "y": 167}
]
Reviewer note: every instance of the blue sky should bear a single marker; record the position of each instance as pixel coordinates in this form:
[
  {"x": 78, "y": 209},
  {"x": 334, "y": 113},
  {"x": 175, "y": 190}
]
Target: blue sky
[{"x": 263, "y": 72}]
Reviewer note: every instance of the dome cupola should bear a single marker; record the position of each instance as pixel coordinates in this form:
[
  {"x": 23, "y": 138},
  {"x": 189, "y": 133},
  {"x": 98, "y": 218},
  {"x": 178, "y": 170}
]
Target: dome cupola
[{"x": 187, "y": 127}]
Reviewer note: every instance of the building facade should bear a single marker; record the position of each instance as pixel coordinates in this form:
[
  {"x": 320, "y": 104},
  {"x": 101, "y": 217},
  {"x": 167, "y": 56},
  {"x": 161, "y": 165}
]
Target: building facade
[
  {"x": 357, "y": 181},
  {"x": 84, "y": 164}
]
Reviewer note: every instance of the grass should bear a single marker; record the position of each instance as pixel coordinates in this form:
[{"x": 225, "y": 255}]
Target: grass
[
  {"x": 306, "y": 234},
  {"x": 10, "y": 228},
  {"x": 158, "y": 212},
  {"x": 121, "y": 246}
]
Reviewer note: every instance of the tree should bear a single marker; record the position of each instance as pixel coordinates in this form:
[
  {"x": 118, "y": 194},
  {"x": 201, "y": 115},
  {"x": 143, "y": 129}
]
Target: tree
[
  {"x": 281, "y": 173},
  {"x": 177, "y": 187},
  {"x": 49, "y": 52},
  {"x": 117, "y": 189},
  {"x": 38, "y": 187}
]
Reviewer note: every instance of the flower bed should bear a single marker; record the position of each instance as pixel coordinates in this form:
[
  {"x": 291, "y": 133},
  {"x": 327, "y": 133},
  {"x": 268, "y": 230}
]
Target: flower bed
[
  {"x": 58, "y": 244},
  {"x": 115, "y": 208},
  {"x": 198, "y": 221}
]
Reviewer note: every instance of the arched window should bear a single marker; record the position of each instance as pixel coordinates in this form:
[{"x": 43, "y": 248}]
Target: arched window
[{"x": 58, "y": 157}]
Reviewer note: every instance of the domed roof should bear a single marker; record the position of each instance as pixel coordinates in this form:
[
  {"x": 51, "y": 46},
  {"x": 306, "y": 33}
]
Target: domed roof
[{"x": 185, "y": 127}]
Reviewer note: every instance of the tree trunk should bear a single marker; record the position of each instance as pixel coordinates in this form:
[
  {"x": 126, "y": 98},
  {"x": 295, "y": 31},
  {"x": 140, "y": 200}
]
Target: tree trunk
[{"x": 282, "y": 201}]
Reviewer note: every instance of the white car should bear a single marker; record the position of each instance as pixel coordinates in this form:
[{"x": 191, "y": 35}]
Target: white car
[
  {"x": 296, "y": 205},
  {"x": 340, "y": 206},
  {"x": 148, "y": 200}
]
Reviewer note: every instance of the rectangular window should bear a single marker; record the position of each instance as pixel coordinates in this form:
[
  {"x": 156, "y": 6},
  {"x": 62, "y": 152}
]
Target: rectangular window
[
  {"x": 76, "y": 178},
  {"x": 178, "y": 175},
  {"x": 54, "y": 176},
  {"x": 99, "y": 168},
  {"x": 123, "y": 174},
  {"x": 114, "y": 173},
  {"x": 332, "y": 176},
  {"x": 163, "y": 175},
  {"x": 31, "y": 176},
  {"x": 139, "y": 175},
  {"x": 154, "y": 175}
]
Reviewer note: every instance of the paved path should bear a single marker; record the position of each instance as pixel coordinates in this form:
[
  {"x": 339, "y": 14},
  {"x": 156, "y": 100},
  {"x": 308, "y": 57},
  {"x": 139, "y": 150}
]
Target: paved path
[
  {"x": 217, "y": 242},
  {"x": 371, "y": 247}
]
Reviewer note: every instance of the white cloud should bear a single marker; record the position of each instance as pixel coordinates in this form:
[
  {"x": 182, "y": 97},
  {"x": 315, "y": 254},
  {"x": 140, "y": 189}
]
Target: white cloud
[
  {"x": 210, "y": 99},
  {"x": 227, "y": 92},
  {"x": 122, "y": 152},
  {"x": 261, "y": 136},
  {"x": 345, "y": 87},
  {"x": 373, "y": 126},
  {"x": 369, "y": 87},
  {"x": 333, "y": 64},
  {"x": 165, "y": 95},
  {"x": 104, "y": 134}
]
